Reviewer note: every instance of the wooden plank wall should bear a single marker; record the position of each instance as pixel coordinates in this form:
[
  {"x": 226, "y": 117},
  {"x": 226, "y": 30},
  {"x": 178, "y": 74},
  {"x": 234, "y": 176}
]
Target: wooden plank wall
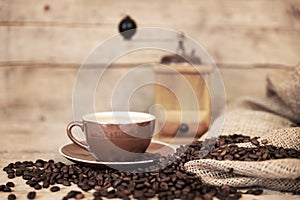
[
  {"x": 43, "y": 43},
  {"x": 264, "y": 31}
]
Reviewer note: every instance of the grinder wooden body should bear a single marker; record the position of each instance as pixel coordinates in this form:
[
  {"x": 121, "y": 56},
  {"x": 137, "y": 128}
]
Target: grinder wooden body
[{"x": 196, "y": 118}]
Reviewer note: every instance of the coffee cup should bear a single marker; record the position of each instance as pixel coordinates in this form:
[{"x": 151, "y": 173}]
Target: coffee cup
[{"x": 115, "y": 136}]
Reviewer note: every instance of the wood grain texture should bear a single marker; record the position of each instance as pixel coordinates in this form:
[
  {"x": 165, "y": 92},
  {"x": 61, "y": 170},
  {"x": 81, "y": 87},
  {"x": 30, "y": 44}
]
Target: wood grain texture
[
  {"x": 257, "y": 13},
  {"x": 44, "y": 95},
  {"x": 244, "y": 82},
  {"x": 182, "y": 87},
  {"x": 58, "y": 44},
  {"x": 231, "y": 31}
]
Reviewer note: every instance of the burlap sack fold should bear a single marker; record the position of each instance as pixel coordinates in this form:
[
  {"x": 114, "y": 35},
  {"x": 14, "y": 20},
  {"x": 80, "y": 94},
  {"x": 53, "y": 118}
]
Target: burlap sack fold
[
  {"x": 275, "y": 118},
  {"x": 283, "y": 95},
  {"x": 219, "y": 177},
  {"x": 282, "y": 168}
]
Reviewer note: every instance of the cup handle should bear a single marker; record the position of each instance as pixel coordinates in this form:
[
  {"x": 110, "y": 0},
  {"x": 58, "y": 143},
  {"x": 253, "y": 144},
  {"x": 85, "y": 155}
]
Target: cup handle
[{"x": 70, "y": 135}]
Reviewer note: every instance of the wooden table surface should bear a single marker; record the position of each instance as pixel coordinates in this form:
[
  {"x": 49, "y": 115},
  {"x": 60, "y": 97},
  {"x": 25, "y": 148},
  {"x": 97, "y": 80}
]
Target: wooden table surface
[{"x": 18, "y": 146}]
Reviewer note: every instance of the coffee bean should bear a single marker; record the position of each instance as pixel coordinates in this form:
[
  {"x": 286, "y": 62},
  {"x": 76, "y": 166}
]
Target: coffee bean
[
  {"x": 180, "y": 174},
  {"x": 249, "y": 191},
  {"x": 54, "y": 189},
  {"x": 86, "y": 188},
  {"x": 11, "y": 197},
  {"x": 236, "y": 156},
  {"x": 254, "y": 141},
  {"x": 257, "y": 192},
  {"x": 31, "y": 195},
  {"x": 10, "y": 184},
  {"x": 149, "y": 194},
  {"x": 223, "y": 153},
  {"x": 265, "y": 156},
  {"x": 187, "y": 189},
  {"x": 10, "y": 170},
  {"x": 37, "y": 187},
  {"x": 138, "y": 194},
  {"x": 225, "y": 189},
  {"x": 96, "y": 194},
  {"x": 93, "y": 183},
  {"x": 6, "y": 169},
  {"x": 79, "y": 196},
  {"x": 208, "y": 196},
  {"x": 264, "y": 141},
  {"x": 11, "y": 175},
  {"x": 28, "y": 163},
  {"x": 258, "y": 153},
  {"x": 164, "y": 186},
  {"x": 6, "y": 189},
  {"x": 253, "y": 156},
  {"x": 72, "y": 193},
  {"x": 2, "y": 187},
  {"x": 27, "y": 177},
  {"x": 242, "y": 152},
  {"x": 278, "y": 155},
  {"x": 112, "y": 194},
  {"x": 155, "y": 186},
  {"x": 60, "y": 181},
  {"x": 56, "y": 170},
  {"x": 46, "y": 184},
  {"x": 238, "y": 195},
  {"x": 296, "y": 192},
  {"x": 139, "y": 186},
  {"x": 39, "y": 163},
  {"x": 66, "y": 183},
  {"x": 180, "y": 182},
  {"x": 19, "y": 172},
  {"x": 97, "y": 187},
  {"x": 228, "y": 157}
]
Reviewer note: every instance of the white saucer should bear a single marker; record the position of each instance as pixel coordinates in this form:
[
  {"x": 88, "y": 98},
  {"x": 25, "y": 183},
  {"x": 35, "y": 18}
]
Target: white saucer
[{"x": 81, "y": 156}]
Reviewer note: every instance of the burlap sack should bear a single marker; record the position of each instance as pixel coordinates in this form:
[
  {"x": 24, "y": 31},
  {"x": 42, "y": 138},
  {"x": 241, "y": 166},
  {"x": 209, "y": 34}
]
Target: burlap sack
[
  {"x": 275, "y": 118},
  {"x": 253, "y": 123},
  {"x": 283, "y": 95},
  {"x": 274, "y": 174},
  {"x": 280, "y": 174},
  {"x": 286, "y": 138}
]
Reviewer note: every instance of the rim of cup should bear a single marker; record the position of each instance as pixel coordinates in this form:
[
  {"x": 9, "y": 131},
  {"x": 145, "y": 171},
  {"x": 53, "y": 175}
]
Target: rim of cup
[{"x": 139, "y": 117}]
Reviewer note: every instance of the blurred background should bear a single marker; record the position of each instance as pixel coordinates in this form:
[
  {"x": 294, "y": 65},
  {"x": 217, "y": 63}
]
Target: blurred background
[{"x": 44, "y": 42}]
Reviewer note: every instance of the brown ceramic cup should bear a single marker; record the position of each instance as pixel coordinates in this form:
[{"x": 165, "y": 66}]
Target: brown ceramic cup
[{"x": 115, "y": 136}]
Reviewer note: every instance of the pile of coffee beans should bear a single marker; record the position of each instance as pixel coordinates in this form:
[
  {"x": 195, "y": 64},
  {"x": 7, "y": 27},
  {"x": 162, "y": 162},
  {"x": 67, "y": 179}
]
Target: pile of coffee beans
[
  {"x": 166, "y": 178},
  {"x": 226, "y": 149}
]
